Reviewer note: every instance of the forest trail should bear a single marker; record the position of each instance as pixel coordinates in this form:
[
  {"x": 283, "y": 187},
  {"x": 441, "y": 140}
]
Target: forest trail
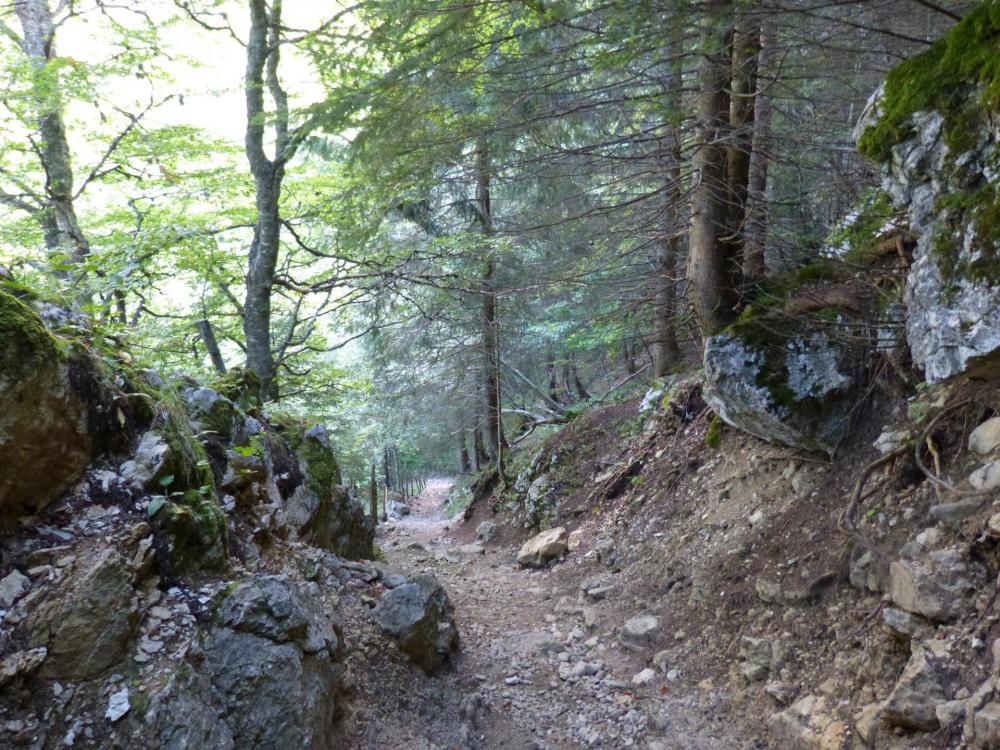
[{"x": 549, "y": 671}]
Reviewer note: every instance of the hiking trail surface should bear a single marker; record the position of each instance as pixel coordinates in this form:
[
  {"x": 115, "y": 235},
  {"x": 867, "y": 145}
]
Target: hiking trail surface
[{"x": 538, "y": 667}]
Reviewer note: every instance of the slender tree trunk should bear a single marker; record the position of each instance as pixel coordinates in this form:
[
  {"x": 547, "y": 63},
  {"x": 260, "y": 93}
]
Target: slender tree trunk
[
  {"x": 385, "y": 466},
  {"x": 746, "y": 49},
  {"x": 581, "y": 392},
  {"x": 212, "y": 345},
  {"x": 550, "y": 368},
  {"x": 373, "y": 496},
  {"x": 666, "y": 352},
  {"x": 262, "y": 70},
  {"x": 495, "y": 440},
  {"x": 713, "y": 295},
  {"x": 755, "y": 239},
  {"x": 395, "y": 463},
  {"x": 64, "y": 239},
  {"x": 463, "y": 453}
]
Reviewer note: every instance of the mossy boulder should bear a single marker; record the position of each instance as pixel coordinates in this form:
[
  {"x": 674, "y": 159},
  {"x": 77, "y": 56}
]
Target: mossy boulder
[
  {"x": 792, "y": 379},
  {"x": 320, "y": 510},
  {"x": 933, "y": 127},
  {"x": 195, "y": 531},
  {"x": 44, "y": 441}
]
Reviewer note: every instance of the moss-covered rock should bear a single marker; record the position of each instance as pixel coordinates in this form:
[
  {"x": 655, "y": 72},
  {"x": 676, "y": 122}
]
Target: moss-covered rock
[
  {"x": 44, "y": 441},
  {"x": 319, "y": 509},
  {"x": 195, "y": 531},
  {"x": 933, "y": 127},
  {"x": 789, "y": 378}
]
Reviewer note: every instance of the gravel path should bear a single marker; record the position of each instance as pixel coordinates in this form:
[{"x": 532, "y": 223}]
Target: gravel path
[{"x": 547, "y": 664}]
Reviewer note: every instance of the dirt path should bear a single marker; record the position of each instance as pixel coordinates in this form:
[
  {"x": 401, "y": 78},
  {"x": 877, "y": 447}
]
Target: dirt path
[{"x": 547, "y": 666}]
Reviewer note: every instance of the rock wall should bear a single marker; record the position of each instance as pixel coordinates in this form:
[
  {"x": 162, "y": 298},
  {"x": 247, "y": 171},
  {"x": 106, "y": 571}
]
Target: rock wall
[{"x": 934, "y": 126}]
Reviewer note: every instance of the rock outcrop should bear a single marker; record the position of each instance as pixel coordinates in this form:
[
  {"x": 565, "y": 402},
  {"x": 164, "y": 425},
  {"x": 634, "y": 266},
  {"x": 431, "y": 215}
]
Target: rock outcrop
[
  {"x": 43, "y": 420},
  {"x": 232, "y": 700},
  {"x": 787, "y": 377},
  {"x": 931, "y": 127}
]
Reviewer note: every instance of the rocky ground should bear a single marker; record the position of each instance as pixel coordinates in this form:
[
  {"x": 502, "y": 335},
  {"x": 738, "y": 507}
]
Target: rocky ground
[{"x": 552, "y": 666}]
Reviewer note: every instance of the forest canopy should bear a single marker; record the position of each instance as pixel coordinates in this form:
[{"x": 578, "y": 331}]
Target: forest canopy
[{"x": 441, "y": 225}]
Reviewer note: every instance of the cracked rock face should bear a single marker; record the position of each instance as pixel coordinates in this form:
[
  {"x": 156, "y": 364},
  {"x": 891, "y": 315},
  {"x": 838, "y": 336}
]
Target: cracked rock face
[{"x": 953, "y": 287}]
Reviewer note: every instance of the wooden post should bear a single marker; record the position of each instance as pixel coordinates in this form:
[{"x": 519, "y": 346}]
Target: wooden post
[{"x": 373, "y": 495}]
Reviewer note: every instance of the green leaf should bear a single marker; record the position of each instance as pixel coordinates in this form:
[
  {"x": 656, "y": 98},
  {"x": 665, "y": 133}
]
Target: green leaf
[
  {"x": 154, "y": 506},
  {"x": 167, "y": 480}
]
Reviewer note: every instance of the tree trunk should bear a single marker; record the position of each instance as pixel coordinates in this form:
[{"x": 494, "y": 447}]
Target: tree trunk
[
  {"x": 755, "y": 238},
  {"x": 262, "y": 67},
  {"x": 212, "y": 345},
  {"x": 385, "y": 466},
  {"x": 713, "y": 295},
  {"x": 746, "y": 48},
  {"x": 373, "y": 496},
  {"x": 64, "y": 239},
  {"x": 495, "y": 441},
  {"x": 666, "y": 352},
  {"x": 463, "y": 453},
  {"x": 550, "y": 368}
]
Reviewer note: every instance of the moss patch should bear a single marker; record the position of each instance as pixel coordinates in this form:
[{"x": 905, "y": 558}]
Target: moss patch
[
  {"x": 943, "y": 79},
  {"x": 25, "y": 345},
  {"x": 197, "y": 529},
  {"x": 713, "y": 437}
]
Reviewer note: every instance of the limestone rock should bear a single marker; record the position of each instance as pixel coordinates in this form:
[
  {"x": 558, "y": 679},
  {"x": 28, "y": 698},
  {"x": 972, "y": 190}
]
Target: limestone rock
[
  {"x": 420, "y": 616},
  {"x": 987, "y": 725},
  {"x": 147, "y": 462},
  {"x": 795, "y": 387},
  {"x": 21, "y": 663},
  {"x": 87, "y": 622},
  {"x": 952, "y": 291},
  {"x": 272, "y": 608},
  {"x": 487, "y": 531},
  {"x": 43, "y": 421},
  {"x": 269, "y": 677},
  {"x": 639, "y": 632},
  {"x": 986, "y": 478},
  {"x": 807, "y": 725},
  {"x": 925, "y": 683},
  {"x": 541, "y": 548},
  {"x": 763, "y": 656},
  {"x": 986, "y": 437},
  {"x": 937, "y": 587},
  {"x": 320, "y": 510},
  {"x": 11, "y": 587}
]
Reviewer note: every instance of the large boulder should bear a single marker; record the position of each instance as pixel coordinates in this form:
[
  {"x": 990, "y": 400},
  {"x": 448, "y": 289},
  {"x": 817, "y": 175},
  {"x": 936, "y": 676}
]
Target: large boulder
[
  {"x": 932, "y": 128},
  {"x": 269, "y": 677},
  {"x": 788, "y": 377},
  {"x": 320, "y": 510},
  {"x": 544, "y": 547},
  {"x": 419, "y": 616},
  {"x": 45, "y": 443}
]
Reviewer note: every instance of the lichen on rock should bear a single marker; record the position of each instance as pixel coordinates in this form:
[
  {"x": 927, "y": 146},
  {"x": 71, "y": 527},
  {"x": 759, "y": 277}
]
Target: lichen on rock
[{"x": 785, "y": 379}]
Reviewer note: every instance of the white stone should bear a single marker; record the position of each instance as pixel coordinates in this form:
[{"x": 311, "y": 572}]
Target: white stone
[
  {"x": 118, "y": 705},
  {"x": 645, "y": 676},
  {"x": 11, "y": 587},
  {"x": 987, "y": 477},
  {"x": 986, "y": 437}
]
